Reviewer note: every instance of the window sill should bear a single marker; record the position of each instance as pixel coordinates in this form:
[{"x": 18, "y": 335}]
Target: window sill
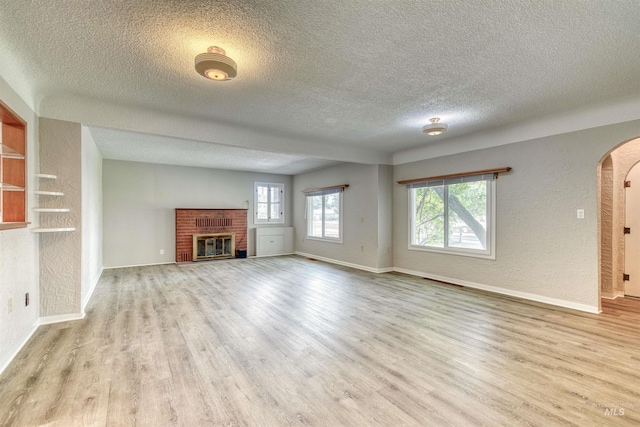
[
  {"x": 458, "y": 251},
  {"x": 324, "y": 239},
  {"x": 13, "y": 225}
]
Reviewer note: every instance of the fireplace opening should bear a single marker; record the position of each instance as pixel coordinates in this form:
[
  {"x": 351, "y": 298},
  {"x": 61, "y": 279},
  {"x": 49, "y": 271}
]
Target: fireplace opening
[{"x": 213, "y": 246}]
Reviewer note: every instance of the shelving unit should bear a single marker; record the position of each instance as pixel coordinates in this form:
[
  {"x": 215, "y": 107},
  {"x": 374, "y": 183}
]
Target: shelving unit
[
  {"x": 13, "y": 147},
  {"x": 50, "y": 210}
]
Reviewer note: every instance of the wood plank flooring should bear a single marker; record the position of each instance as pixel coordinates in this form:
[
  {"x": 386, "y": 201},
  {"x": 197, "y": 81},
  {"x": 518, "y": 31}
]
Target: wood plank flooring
[{"x": 289, "y": 341}]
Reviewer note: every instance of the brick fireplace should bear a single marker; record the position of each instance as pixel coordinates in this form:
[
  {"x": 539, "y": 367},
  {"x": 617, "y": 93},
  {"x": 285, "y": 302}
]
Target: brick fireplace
[{"x": 190, "y": 222}]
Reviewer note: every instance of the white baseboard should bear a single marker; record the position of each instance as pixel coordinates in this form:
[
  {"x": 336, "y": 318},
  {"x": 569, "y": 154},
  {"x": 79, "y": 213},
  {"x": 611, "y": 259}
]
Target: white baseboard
[
  {"x": 139, "y": 265},
  {"x": 264, "y": 256},
  {"x": 47, "y": 320},
  {"x": 17, "y": 349},
  {"x": 346, "y": 264},
  {"x": 93, "y": 288},
  {"x": 498, "y": 290},
  {"x": 612, "y": 295}
]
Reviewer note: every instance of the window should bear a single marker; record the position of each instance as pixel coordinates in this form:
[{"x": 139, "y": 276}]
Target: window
[
  {"x": 324, "y": 211},
  {"x": 453, "y": 215},
  {"x": 269, "y": 203}
]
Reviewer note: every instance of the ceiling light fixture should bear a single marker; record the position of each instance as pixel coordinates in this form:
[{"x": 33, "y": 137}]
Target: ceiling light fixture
[
  {"x": 215, "y": 65},
  {"x": 435, "y": 128}
]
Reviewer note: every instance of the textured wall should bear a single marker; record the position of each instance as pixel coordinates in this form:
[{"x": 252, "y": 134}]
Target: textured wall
[
  {"x": 606, "y": 228},
  {"x": 542, "y": 248},
  {"x": 19, "y": 250},
  {"x": 60, "y": 253},
  {"x": 91, "y": 215},
  {"x": 624, "y": 157},
  {"x": 360, "y": 214},
  {"x": 140, "y": 198}
]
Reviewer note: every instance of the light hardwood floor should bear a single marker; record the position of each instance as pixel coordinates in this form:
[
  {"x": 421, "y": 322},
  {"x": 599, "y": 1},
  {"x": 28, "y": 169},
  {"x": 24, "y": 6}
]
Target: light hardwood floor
[{"x": 289, "y": 341}]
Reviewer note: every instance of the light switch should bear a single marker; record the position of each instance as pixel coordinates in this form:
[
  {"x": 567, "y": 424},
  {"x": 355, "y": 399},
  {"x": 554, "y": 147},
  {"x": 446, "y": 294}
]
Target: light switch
[{"x": 580, "y": 213}]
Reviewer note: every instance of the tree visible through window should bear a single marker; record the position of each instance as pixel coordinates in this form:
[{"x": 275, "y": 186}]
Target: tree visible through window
[{"x": 452, "y": 216}]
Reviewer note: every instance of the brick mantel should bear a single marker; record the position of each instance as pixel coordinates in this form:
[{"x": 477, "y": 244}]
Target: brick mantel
[{"x": 206, "y": 221}]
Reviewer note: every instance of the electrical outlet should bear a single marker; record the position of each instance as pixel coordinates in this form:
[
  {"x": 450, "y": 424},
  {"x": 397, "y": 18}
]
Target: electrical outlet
[
  {"x": 9, "y": 305},
  {"x": 580, "y": 213},
  {"x": 161, "y": 251}
]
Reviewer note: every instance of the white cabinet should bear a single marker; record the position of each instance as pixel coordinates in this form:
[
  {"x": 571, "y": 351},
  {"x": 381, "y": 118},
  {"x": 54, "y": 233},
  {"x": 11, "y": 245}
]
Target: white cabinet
[{"x": 274, "y": 241}]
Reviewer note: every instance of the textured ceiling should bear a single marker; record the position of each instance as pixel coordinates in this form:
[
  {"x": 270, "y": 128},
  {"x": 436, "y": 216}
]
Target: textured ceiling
[
  {"x": 140, "y": 147},
  {"x": 359, "y": 77}
]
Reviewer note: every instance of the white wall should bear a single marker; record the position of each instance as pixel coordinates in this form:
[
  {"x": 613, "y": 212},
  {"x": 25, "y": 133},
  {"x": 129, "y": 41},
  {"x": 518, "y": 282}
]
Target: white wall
[
  {"x": 140, "y": 200},
  {"x": 19, "y": 250},
  {"x": 385, "y": 216},
  {"x": 91, "y": 216},
  {"x": 543, "y": 251},
  {"x": 361, "y": 212}
]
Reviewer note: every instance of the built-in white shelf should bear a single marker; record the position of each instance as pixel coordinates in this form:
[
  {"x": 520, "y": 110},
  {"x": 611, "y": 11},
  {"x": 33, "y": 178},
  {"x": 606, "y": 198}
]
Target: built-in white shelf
[
  {"x": 50, "y": 209},
  {"x": 53, "y": 210},
  {"x": 46, "y": 176},
  {"x": 10, "y": 153},
  {"x": 49, "y": 193},
  {"x": 10, "y": 187},
  {"x": 52, "y": 230}
]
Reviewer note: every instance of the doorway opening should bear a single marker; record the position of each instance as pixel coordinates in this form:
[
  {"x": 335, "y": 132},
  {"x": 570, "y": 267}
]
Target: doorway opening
[
  {"x": 631, "y": 277},
  {"x": 613, "y": 170}
]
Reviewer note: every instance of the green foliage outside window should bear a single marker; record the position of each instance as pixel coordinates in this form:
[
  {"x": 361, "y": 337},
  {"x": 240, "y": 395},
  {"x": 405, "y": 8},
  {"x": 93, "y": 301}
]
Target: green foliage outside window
[{"x": 467, "y": 215}]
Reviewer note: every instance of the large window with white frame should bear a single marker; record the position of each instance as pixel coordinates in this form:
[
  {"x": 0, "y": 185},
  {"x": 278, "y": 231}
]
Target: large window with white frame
[
  {"x": 324, "y": 215},
  {"x": 455, "y": 215},
  {"x": 268, "y": 203}
]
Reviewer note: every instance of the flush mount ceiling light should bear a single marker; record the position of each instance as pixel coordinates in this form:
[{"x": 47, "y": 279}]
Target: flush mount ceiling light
[
  {"x": 215, "y": 65},
  {"x": 435, "y": 128}
]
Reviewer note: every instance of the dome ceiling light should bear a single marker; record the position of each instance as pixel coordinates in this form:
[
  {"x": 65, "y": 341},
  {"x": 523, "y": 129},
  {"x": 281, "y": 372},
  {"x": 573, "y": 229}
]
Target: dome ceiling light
[
  {"x": 215, "y": 65},
  {"x": 435, "y": 128}
]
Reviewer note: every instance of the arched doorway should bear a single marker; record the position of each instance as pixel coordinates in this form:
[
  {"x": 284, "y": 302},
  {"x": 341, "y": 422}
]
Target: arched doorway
[
  {"x": 632, "y": 232},
  {"x": 612, "y": 173}
]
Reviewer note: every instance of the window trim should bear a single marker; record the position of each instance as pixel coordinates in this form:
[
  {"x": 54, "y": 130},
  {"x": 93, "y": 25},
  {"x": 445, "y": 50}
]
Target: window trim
[
  {"x": 269, "y": 185},
  {"x": 489, "y": 253},
  {"x": 324, "y": 193}
]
